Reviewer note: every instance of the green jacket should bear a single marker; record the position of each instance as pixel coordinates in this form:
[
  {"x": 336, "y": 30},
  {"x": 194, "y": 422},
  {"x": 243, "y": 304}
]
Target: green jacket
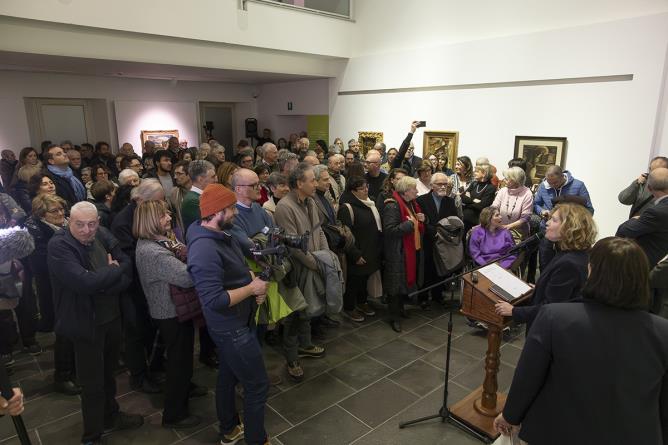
[{"x": 190, "y": 209}]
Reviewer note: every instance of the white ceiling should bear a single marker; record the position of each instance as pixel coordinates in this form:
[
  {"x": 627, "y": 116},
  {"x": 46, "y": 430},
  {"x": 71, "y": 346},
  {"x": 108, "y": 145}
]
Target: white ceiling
[{"x": 40, "y": 63}]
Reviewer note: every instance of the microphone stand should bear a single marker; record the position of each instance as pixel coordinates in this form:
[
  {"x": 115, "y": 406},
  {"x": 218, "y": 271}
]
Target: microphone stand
[
  {"x": 444, "y": 412},
  {"x": 8, "y": 393}
]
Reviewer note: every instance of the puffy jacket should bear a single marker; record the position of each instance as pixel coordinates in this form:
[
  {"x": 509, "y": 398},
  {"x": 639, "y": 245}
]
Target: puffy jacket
[{"x": 574, "y": 187}]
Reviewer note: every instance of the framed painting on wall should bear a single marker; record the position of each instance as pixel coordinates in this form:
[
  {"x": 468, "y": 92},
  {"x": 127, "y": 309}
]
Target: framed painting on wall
[
  {"x": 443, "y": 144},
  {"x": 368, "y": 139},
  {"x": 540, "y": 152},
  {"x": 159, "y": 137}
]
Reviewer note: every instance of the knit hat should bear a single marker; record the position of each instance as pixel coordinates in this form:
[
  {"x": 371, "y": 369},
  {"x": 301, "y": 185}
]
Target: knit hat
[{"x": 215, "y": 198}]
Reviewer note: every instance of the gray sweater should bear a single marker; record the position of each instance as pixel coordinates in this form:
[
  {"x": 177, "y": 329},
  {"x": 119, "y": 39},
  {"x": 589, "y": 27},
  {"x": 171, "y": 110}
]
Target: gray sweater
[{"x": 158, "y": 268}]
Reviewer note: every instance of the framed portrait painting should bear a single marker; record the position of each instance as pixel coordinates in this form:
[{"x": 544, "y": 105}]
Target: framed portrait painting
[
  {"x": 159, "y": 137},
  {"x": 443, "y": 144},
  {"x": 540, "y": 152},
  {"x": 368, "y": 139}
]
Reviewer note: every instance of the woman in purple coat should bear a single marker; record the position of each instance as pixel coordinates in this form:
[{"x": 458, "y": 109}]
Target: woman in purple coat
[{"x": 490, "y": 240}]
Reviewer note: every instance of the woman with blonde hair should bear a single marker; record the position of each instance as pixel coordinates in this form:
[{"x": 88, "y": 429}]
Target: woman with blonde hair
[
  {"x": 161, "y": 262},
  {"x": 224, "y": 173},
  {"x": 573, "y": 230},
  {"x": 48, "y": 218}
]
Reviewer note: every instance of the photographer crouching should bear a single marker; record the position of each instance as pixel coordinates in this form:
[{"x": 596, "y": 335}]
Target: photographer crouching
[{"x": 226, "y": 289}]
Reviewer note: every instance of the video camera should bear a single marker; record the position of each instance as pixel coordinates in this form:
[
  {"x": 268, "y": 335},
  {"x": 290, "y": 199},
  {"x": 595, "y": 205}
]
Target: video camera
[{"x": 277, "y": 246}]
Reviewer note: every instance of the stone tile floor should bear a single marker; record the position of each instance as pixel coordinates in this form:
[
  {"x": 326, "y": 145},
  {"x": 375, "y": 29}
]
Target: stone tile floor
[{"x": 370, "y": 380}]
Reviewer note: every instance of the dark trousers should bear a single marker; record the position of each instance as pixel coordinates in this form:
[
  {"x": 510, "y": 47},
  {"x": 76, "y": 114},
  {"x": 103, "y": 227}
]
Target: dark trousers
[
  {"x": 179, "y": 341},
  {"x": 395, "y": 304},
  {"x": 296, "y": 333},
  {"x": 355, "y": 294},
  {"x": 241, "y": 361},
  {"x": 63, "y": 359},
  {"x": 96, "y": 361},
  {"x": 26, "y": 315},
  {"x": 139, "y": 333},
  {"x": 207, "y": 347}
]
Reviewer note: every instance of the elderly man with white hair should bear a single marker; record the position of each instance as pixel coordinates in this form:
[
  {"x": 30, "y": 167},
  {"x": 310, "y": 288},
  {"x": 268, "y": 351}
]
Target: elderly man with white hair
[
  {"x": 89, "y": 271},
  {"x": 128, "y": 177},
  {"x": 436, "y": 205}
]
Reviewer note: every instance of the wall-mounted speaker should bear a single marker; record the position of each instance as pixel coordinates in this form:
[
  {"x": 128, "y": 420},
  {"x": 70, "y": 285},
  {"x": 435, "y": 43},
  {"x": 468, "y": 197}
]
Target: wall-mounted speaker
[{"x": 251, "y": 128}]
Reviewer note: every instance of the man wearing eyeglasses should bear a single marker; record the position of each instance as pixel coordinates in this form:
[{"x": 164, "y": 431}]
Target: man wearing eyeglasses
[
  {"x": 436, "y": 205},
  {"x": 251, "y": 217},
  {"x": 374, "y": 176}
]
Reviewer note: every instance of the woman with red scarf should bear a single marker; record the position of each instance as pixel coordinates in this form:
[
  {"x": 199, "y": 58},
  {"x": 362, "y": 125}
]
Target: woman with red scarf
[{"x": 403, "y": 227}]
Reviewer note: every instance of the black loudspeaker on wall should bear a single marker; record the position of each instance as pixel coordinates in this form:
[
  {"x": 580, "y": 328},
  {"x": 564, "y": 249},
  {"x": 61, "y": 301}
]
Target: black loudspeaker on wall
[{"x": 251, "y": 128}]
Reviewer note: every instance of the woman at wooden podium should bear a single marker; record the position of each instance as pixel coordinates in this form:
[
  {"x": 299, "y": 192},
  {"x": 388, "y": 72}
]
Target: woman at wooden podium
[
  {"x": 595, "y": 371},
  {"x": 572, "y": 229}
]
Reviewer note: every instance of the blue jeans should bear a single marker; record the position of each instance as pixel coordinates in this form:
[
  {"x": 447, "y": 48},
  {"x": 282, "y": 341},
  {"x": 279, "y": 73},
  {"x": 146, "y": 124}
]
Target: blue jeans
[{"x": 241, "y": 361}]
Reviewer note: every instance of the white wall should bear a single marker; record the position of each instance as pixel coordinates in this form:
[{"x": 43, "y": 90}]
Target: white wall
[
  {"x": 609, "y": 126},
  {"x": 307, "y": 97},
  {"x": 134, "y": 116},
  {"x": 134, "y": 96},
  {"x": 217, "y": 21},
  {"x": 394, "y": 25}
]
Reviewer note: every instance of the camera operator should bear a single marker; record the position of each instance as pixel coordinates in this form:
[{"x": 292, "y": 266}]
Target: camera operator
[
  {"x": 297, "y": 213},
  {"x": 224, "y": 284},
  {"x": 636, "y": 194}
]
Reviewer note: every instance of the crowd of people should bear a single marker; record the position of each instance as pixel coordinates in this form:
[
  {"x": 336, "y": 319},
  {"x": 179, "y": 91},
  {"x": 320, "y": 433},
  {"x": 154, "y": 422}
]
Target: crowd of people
[{"x": 135, "y": 254}]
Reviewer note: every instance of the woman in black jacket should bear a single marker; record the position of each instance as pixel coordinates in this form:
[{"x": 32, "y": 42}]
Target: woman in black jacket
[
  {"x": 360, "y": 214},
  {"x": 478, "y": 195},
  {"x": 595, "y": 371},
  {"x": 403, "y": 227},
  {"x": 572, "y": 229},
  {"x": 48, "y": 218}
]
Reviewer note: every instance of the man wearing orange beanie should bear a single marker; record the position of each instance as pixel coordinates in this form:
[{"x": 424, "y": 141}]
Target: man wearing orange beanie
[{"x": 226, "y": 290}]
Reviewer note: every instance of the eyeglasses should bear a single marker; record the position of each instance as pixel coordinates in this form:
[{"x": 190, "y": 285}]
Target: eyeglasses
[
  {"x": 441, "y": 186},
  {"x": 56, "y": 210},
  {"x": 371, "y": 162},
  {"x": 255, "y": 185}
]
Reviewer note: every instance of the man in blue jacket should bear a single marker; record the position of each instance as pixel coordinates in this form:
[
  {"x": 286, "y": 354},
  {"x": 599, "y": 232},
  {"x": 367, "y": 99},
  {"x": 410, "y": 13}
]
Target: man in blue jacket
[
  {"x": 227, "y": 290},
  {"x": 557, "y": 183}
]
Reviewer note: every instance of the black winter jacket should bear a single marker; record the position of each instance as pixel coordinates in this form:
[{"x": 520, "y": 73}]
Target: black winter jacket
[
  {"x": 74, "y": 281},
  {"x": 368, "y": 240}
]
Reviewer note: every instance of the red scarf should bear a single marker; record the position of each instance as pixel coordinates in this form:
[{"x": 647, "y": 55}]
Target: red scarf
[{"x": 411, "y": 241}]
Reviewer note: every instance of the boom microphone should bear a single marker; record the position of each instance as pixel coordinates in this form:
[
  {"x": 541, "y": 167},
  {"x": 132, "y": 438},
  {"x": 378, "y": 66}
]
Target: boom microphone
[{"x": 527, "y": 242}]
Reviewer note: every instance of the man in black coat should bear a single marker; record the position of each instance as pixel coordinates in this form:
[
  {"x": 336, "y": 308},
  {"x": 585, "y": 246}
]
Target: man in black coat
[
  {"x": 436, "y": 205},
  {"x": 88, "y": 273},
  {"x": 650, "y": 228}
]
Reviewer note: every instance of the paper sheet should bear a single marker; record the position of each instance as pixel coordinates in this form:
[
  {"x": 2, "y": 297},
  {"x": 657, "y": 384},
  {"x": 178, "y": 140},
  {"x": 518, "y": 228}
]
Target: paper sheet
[{"x": 505, "y": 280}]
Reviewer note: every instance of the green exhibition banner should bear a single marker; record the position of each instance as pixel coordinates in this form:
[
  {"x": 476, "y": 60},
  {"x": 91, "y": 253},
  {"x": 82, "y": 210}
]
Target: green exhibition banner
[{"x": 317, "y": 126}]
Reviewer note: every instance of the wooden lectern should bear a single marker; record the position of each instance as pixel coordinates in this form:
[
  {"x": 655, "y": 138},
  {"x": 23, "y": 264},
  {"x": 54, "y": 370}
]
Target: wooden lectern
[{"x": 480, "y": 408}]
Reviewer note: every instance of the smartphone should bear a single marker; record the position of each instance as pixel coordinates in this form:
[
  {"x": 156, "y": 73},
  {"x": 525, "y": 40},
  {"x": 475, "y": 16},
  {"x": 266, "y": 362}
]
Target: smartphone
[{"x": 421, "y": 124}]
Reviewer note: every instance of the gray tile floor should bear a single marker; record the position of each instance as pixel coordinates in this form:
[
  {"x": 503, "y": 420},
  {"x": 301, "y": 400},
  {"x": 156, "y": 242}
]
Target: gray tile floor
[{"x": 370, "y": 380}]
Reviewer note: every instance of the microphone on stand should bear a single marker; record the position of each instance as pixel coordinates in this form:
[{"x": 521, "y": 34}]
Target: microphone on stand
[{"x": 535, "y": 239}]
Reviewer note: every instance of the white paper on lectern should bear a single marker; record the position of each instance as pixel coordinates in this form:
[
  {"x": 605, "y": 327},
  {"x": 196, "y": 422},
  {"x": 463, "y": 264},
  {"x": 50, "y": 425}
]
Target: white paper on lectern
[{"x": 505, "y": 280}]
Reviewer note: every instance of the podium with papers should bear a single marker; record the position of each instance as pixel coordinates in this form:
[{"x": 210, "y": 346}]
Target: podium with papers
[{"x": 481, "y": 291}]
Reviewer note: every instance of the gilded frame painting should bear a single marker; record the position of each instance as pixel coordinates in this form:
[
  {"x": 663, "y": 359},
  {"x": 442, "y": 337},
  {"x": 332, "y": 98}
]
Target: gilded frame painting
[
  {"x": 159, "y": 137},
  {"x": 540, "y": 152},
  {"x": 441, "y": 144},
  {"x": 368, "y": 139}
]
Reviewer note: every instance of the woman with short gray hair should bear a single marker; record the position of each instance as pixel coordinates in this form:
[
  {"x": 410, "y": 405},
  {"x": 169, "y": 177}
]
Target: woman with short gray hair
[{"x": 515, "y": 203}]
